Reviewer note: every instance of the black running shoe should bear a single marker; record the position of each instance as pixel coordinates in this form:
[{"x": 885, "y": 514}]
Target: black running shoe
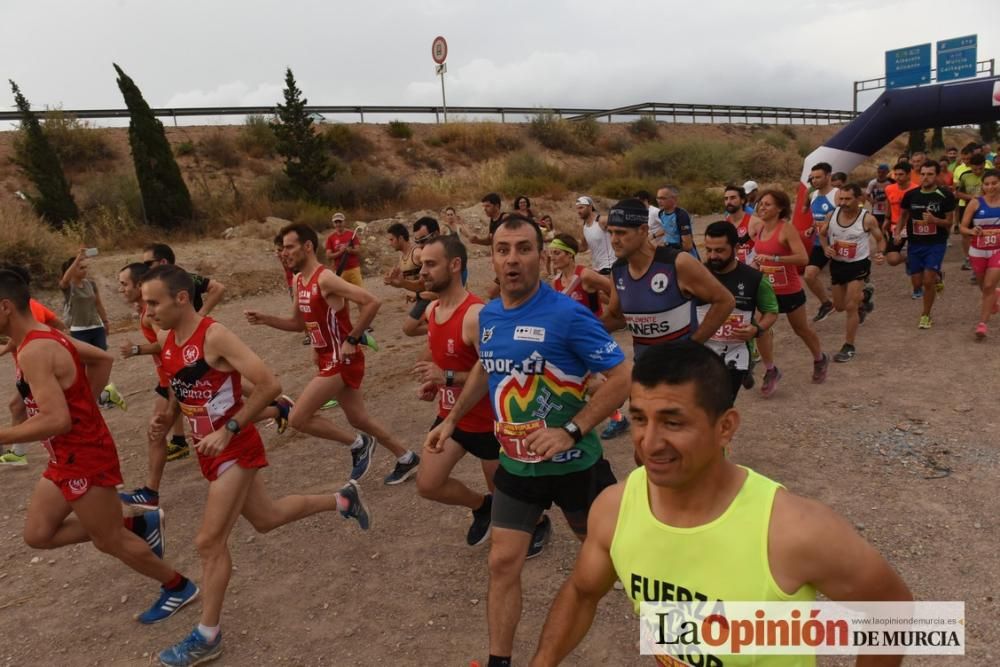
[
  {"x": 846, "y": 353},
  {"x": 361, "y": 457},
  {"x": 540, "y": 537},
  {"x": 824, "y": 311},
  {"x": 356, "y": 507},
  {"x": 402, "y": 471},
  {"x": 480, "y": 528}
]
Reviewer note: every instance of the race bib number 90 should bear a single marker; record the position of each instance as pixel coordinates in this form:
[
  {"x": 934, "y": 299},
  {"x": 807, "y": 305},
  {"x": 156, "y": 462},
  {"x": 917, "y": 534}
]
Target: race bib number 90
[
  {"x": 924, "y": 228},
  {"x": 512, "y": 438}
]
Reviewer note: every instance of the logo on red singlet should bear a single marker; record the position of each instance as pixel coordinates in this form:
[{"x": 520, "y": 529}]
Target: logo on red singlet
[
  {"x": 315, "y": 289},
  {"x": 190, "y": 355},
  {"x": 78, "y": 486}
]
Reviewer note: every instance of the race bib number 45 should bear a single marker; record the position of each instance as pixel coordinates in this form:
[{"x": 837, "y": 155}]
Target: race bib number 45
[
  {"x": 845, "y": 249},
  {"x": 512, "y": 438}
]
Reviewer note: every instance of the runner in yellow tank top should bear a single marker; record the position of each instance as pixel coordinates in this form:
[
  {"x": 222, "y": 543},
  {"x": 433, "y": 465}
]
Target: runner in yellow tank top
[{"x": 690, "y": 524}]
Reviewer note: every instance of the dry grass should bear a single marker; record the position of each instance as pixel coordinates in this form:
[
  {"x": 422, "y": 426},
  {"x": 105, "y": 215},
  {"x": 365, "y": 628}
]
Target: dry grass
[
  {"x": 476, "y": 141},
  {"x": 27, "y": 241}
]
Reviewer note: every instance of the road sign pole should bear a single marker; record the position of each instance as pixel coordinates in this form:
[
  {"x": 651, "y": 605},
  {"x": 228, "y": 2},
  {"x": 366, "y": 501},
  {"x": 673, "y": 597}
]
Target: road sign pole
[
  {"x": 439, "y": 53},
  {"x": 444, "y": 102}
]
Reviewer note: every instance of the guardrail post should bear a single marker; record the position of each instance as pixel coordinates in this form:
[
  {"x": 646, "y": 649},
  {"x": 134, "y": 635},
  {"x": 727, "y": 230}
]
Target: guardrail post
[
  {"x": 437, "y": 118},
  {"x": 361, "y": 111},
  {"x": 503, "y": 117}
]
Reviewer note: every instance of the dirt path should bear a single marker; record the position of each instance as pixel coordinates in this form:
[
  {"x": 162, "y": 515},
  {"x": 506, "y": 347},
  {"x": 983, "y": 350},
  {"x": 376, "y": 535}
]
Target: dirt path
[{"x": 898, "y": 440}]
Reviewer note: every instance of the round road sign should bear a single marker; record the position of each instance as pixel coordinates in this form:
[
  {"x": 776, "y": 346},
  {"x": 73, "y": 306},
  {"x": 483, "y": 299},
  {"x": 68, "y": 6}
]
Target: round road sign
[{"x": 439, "y": 49}]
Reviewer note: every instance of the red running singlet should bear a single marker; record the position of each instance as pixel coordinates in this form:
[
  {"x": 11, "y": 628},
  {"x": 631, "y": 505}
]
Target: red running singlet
[
  {"x": 327, "y": 331},
  {"x": 451, "y": 353},
  {"x": 589, "y": 300},
  {"x": 784, "y": 277}
]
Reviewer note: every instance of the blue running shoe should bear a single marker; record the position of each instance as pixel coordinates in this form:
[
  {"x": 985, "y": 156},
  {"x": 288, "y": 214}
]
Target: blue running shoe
[
  {"x": 356, "y": 509},
  {"x": 615, "y": 429},
  {"x": 169, "y": 603},
  {"x": 144, "y": 498},
  {"x": 194, "y": 650},
  {"x": 361, "y": 457},
  {"x": 156, "y": 522}
]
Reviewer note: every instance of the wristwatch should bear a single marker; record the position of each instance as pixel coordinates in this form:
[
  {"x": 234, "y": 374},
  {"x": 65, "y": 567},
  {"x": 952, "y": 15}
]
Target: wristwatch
[
  {"x": 233, "y": 426},
  {"x": 353, "y": 340},
  {"x": 449, "y": 378},
  {"x": 574, "y": 431},
  {"x": 135, "y": 350}
]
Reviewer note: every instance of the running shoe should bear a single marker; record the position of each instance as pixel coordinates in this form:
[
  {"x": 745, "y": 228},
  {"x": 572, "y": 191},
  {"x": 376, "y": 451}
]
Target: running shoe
[
  {"x": 111, "y": 396},
  {"x": 155, "y": 523},
  {"x": 925, "y": 322},
  {"x": 361, "y": 457},
  {"x": 820, "y": 368},
  {"x": 748, "y": 379},
  {"x": 869, "y": 297},
  {"x": 169, "y": 603},
  {"x": 284, "y": 405},
  {"x": 824, "y": 311},
  {"x": 862, "y": 314},
  {"x": 356, "y": 509},
  {"x": 12, "y": 459},
  {"x": 143, "y": 498},
  {"x": 846, "y": 353},
  {"x": 194, "y": 650},
  {"x": 177, "y": 452},
  {"x": 939, "y": 285},
  {"x": 368, "y": 340},
  {"x": 540, "y": 537},
  {"x": 615, "y": 428},
  {"x": 480, "y": 528},
  {"x": 771, "y": 378},
  {"x": 917, "y": 294},
  {"x": 402, "y": 471},
  {"x": 981, "y": 330},
  {"x": 966, "y": 265},
  {"x": 332, "y": 403}
]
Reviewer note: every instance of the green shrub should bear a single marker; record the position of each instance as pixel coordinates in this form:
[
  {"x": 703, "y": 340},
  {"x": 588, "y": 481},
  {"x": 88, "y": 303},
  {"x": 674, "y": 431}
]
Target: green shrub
[
  {"x": 398, "y": 129},
  {"x": 256, "y": 137},
  {"x": 477, "y": 141},
  {"x": 684, "y": 159},
  {"x": 614, "y": 143},
  {"x": 113, "y": 191},
  {"x": 77, "y": 142},
  {"x": 776, "y": 139},
  {"x": 574, "y": 137},
  {"x": 417, "y": 156},
  {"x": 221, "y": 149},
  {"x": 347, "y": 143},
  {"x": 184, "y": 148},
  {"x": 765, "y": 162},
  {"x": 527, "y": 174},
  {"x": 644, "y": 127},
  {"x": 620, "y": 187},
  {"x": 700, "y": 200},
  {"x": 361, "y": 187}
]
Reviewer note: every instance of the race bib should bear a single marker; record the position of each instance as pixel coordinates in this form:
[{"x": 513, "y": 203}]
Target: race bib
[
  {"x": 315, "y": 335},
  {"x": 924, "y": 228},
  {"x": 776, "y": 275},
  {"x": 198, "y": 420},
  {"x": 512, "y": 436},
  {"x": 845, "y": 249},
  {"x": 448, "y": 395},
  {"x": 990, "y": 240},
  {"x": 725, "y": 332}
]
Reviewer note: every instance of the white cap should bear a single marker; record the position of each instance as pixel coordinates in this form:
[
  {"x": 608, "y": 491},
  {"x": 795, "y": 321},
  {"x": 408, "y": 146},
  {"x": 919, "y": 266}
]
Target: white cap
[
  {"x": 750, "y": 186},
  {"x": 585, "y": 201}
]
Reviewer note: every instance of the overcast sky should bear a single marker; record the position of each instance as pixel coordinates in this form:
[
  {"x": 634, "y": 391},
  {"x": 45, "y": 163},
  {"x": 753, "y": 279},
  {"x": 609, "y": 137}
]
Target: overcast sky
[{"x": 508, "y": 52}]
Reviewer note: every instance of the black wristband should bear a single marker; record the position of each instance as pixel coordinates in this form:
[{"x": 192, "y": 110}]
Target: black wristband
[{"x": 353, "y": 340}]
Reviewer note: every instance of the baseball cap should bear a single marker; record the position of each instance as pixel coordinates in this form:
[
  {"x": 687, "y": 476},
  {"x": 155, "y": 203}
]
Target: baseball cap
[
  {"x": 883, "y": 167},
  {"x": 585, "y": 201},
  {"x": 338, "y": 216},
  {"x": 628, "y": 213},
  {"x": 750, "y": 186}
]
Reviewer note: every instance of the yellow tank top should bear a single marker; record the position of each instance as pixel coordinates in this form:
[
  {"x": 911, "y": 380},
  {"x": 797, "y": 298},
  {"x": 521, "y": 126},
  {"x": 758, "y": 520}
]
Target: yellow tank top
[{"x": 725, "y": 559}]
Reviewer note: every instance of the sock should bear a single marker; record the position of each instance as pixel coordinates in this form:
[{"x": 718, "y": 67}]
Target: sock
[
  {"x": 178, "y": 440},
  {"x": 343, "y": 504},
  {"x": 768, "y": 366},
  {"x": 497, "y": 661},
  {"x": 406, "y": 458},
  {"x": 177, "y": 583},
  {"x": 358, "y": 442},
  {"x": 617, "y": 416},
  {"x": 209, "y": 633},
  {"x": 18, "y": 449}
]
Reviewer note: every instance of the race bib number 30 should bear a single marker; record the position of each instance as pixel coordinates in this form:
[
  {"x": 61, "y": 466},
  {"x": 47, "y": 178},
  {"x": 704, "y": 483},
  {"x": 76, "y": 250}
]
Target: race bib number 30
[
  {"x": 512, "y": 438},
  {"x": 990, "y": 239}
]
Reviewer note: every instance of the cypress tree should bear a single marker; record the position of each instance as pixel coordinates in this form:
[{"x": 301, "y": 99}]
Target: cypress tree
[
  {"x": 165, "y": 198},
  {"x": 39, "y": 162},
  {"x": 307, "y": 164}
]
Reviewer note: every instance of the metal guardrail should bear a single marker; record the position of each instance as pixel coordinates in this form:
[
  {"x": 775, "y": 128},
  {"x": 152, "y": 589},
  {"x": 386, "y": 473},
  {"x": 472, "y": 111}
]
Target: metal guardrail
[{"x": 672, "y": 112}]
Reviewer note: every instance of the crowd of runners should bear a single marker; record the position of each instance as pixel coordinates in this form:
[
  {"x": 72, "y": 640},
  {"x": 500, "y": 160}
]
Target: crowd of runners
[{"x": 522, "y": 377}]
